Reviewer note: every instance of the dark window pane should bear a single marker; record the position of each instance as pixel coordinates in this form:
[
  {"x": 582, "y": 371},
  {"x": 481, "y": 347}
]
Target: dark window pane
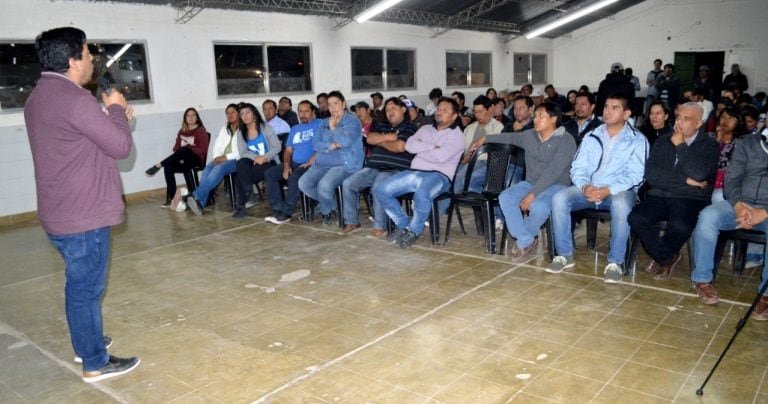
[
  {"x": 457, "y": 68},
  {"x": 19, "y": 71},
  {"x": 289, "y": 69},
  {"x": 401, "y": 69},
  {"x": 239, "y": 69},
  {"x": 539, "y": 69},
  {"x": 522, "y": 66},
  {"x": 124, "y": 66},
  {"x": 367, "y": 66},
  {"x": 481, "y": 69}
]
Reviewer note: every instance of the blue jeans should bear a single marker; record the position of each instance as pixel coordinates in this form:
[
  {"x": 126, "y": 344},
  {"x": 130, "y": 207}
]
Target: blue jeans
[
  {"x": 525, "y": 229},
  {"x": 85, "y": 256},
  {"x": 715, "y": 217},
  {"x": 273, "y": 186},
  {"x": 425, "y": 185},
  {"x": 320, "y": 183},
  {"x": 571, "y": 199},
  {"x": 476, "y": 182},
  {"x": 211, "y": 177},
  {"x": 351, "y": 187}
]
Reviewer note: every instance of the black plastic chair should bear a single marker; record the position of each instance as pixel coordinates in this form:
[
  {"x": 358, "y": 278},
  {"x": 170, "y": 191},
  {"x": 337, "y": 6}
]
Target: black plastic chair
[
  {"x": 308, "y": 207},
  {"x": 592, "y": 217},
  {"x": 740, "y": 238},
  {"x": 634, "y": 248},
  {"x": 498, "y": 158}
]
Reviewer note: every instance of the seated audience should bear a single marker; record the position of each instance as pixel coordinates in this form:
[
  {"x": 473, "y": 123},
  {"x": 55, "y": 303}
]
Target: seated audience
[
  {"x": 548, "y": 154},
  {"x": 339, "y": 147},
  {"x": 434, "y": 97},
  {"x": 438, "y": 149},
  {"x": 464, "y": 112},
  {"x": 584, "y": 119},
  {"x": 569, "y": 106},
  {"x": 285, "y": 111},
  {"x": 680, "y": 173},
  {"x": 553, "y": 96},
  {"x": 388, "y": 156},
  {"x": 321, "y": 112},
  {"x": 188, "y": 152},
  {"x": 261, "y": 150},
  {"x": 606, "y": 173},
  {"x": 297, "y": 158},
  {"x": 223, "y": 153},
  {"x": 491, "y": 93},
  {"x": 279, "y": 126},
  {"x": 484, "y": 125},
  {"x": 416, "y": 114}
]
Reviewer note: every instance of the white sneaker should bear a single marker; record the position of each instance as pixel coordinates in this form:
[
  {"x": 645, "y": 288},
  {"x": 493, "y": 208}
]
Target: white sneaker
[
  {"x": 613, "y": 273},
  {"x": 499, "y": 224}
]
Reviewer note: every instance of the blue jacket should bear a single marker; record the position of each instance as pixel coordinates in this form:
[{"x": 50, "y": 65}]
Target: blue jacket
[
  {"x": 348, "y": 134},
  {"x": 622, "y": 171}
]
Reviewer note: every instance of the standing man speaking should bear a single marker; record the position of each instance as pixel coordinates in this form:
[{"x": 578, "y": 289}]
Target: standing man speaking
[{"x": 79, "y": 196}]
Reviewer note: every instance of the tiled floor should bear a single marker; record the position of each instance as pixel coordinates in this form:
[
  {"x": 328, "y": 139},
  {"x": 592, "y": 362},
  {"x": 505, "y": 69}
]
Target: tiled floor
[{"x": 238, "y": 311}]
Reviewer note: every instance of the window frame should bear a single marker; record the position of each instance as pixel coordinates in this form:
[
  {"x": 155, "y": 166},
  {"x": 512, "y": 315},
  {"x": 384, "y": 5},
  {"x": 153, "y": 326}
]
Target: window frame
[
  {"x": 90, "y": 42},
  {"x": 384, "y": 70},
  {"x": 530, "y": 56},
  {"x": 469, "y": 54},
  {"x": 265, "y": 57}
]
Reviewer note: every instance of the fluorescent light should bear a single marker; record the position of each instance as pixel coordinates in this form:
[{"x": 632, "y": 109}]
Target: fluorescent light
[
  {"x": 113, "y": 59},
  {"x": 569, "y": 18},
  {"x": 373, "y": 11}
]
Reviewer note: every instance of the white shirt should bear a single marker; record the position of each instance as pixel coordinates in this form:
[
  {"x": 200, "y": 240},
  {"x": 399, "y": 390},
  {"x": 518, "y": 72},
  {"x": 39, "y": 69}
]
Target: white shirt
[{"x": 279, "y": 125}]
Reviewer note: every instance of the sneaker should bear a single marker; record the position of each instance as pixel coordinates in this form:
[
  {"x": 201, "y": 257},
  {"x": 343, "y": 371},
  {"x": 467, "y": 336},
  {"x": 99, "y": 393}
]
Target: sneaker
[
  {"x": 240, "y": 213},
  {"x": 392, "y": 238},
  {"x": 280, "y": 218},
  {"x": 524, "y": 254},
  {"x": 252, "y": 201},
  {"x": 406, "y": 238},
  {"x": 194, "y": 205},
  {"x": 761, "y": 310},
  {"x": 166, "y": 204},
  {"x": 152, "y": 171},
  {"x": 560, "y": 263},
  {"x": 377, "y": 233},
  {"x": 665, "y": 271},
  {"x": 707, "y": 293},
  {"x": 114, "y": 367},
  {"x": 329, "y": 218},
  {"x": 351, "y": 228},
  {"x": 613, "y": 273},
  {"x": 107, "y": 344}
]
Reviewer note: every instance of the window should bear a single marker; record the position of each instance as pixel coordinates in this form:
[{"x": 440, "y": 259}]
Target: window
[
  {"x": 259, "y": 69},
  {"x": 372, "y": 68},
  {"x": 124, "y": 65},
  {"x": 468, "y": 69},
  {"x": 530, "y": 68}
]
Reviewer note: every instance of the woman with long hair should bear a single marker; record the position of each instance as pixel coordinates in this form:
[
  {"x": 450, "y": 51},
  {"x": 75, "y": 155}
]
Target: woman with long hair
[
  {"x": 727, "y": 130},
  {"x": 189, "y": 152},
  {"x": 657, "y": 124},
  {"x": 262, "y": 147}
]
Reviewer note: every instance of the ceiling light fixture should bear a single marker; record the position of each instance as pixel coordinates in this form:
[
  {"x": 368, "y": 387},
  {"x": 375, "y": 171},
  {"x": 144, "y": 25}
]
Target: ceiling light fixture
[
  {"x": 113, "y": 59},
  {"x": 565, "y": 20},
  {"x": 375, "y": 10}
]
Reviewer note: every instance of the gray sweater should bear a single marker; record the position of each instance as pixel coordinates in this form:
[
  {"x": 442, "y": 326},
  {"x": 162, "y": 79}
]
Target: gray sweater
[{"x": 546, "y": 163}]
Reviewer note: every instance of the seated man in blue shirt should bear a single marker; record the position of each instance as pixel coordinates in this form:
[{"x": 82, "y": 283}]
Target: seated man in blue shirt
[
  {"x": 606, "y": 174},
  {"x": 297, "y": 157}
]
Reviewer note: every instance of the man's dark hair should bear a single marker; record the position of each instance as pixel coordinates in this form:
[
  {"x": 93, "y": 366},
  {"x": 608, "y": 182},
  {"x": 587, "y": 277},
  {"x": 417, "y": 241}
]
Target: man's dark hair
[
  {"x": 484, "y": 101},
  {"x": 290, "y": 103},
  {"x": 499, "y": 100},
  {"x": 751, "y": 112},
  {"x": 460, "y": 95},
  {"x": 628, "y": 71},
  {"x": 311, "y": 105},
  {"x": 697, "y": 91},
  {"x": 55, "y": 47},
  {"x": 619, "y": 97},
  {"x": 552, "y": 109},
  {"x": 548, "y": 87},
  {"x": 397, "y": 101},
  {"x": 528, "y": 100},
  {"x": 269, "y": 101},
  {"x": 322, "y": 95},
  {"x": 590, "y": 97},
  {"x": 454, "y": 104},
  {"x": 658, "y": 60},
  {"x": 435, "y": 93},
  {"x": 670, "y": 65}
]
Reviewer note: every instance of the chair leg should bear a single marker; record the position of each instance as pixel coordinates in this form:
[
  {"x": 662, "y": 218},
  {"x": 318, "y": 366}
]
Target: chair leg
[
  {"x": 307, "y": 210},
  {"x": 550, "y": 238},
  {"x": 231, "y": 178},
  {"x": 634, "y": 250},
  {"x": 490, "y": 228},
  {"x": 719, "y": 249},
  {"x": 503, "y": 244},
  {"x": 739, "y": 255},
  {"x": 477, "y": 211},
  {"x": 591, "y": 233},
  {"x": 461, "y": 222},
  {"x": 434, "y": 223},
  {"x": 448, "y": 223},
  {"x": 340, "y": 206}
]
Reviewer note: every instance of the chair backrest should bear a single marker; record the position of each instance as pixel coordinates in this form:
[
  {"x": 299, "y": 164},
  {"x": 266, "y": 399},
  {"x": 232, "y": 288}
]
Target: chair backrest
[{"x": 497, "y": 162}]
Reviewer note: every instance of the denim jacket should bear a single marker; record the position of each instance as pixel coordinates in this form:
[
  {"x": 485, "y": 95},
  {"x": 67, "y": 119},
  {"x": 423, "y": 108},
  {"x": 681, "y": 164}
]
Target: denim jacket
[
  {"x": 623, "y": 171},
  {"x": 348, "y": 134}
]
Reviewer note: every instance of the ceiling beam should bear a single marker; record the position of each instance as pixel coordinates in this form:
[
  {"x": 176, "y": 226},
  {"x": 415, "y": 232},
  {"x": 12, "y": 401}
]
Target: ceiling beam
[
  {"x": 468, "y": 14},
  {"x": 187, "y": 9}
]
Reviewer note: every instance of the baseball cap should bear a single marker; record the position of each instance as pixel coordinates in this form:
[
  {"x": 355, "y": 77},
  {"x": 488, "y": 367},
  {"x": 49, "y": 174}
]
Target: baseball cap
[
  {"x": 616, "y": 67},
  {"x": 409, "y": 104},
  {"x": 361, "y": 104},
  {"x": 704, "y": 67},
  {"x": 377, "y": 94}
]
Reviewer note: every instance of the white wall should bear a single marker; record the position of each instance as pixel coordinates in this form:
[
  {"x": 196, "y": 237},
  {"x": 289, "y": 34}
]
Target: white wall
[
  {"x": 182, "y": 70},
  {"x": 656, "y": 29}
]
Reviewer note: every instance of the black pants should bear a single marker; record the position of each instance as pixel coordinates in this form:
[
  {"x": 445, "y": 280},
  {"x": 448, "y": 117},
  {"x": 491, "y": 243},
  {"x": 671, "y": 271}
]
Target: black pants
[
  {"x": 681, "y": 216},
  {"x": 248, "y": 174},
  {"x": 181, "y": 161}
]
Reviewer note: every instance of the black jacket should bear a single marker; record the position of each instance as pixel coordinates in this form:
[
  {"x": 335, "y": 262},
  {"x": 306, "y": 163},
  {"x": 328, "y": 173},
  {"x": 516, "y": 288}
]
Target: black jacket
[
  {"x": 669, "y": 166},
  {"x": 572, "y": 127}
]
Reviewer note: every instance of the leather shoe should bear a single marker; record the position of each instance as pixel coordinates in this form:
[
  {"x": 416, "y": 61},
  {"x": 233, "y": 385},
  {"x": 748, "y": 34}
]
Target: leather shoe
[
  {"x": 665, "y": 271},
  {"x": 652, "y": 267},
  {"x": 707, "y": 293},
  {"x": 350, "y": 228},
  {"x": 761, "y": 310}
]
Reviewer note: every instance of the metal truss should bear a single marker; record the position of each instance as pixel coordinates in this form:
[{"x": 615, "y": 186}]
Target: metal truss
[
  {"x": 435, "y": 20},
  {"x": 467, "y": 15},
  {"x": 187, "y": 9}
]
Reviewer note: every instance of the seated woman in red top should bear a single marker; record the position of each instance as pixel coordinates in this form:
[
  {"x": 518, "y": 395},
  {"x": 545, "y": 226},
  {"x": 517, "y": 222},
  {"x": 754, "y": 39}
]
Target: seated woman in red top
[{"x": 188, "y": 152}]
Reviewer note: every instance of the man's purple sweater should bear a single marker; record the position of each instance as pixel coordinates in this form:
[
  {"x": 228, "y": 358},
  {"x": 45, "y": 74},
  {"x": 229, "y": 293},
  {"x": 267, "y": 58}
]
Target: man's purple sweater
[{"x": 74, "y": 147}]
